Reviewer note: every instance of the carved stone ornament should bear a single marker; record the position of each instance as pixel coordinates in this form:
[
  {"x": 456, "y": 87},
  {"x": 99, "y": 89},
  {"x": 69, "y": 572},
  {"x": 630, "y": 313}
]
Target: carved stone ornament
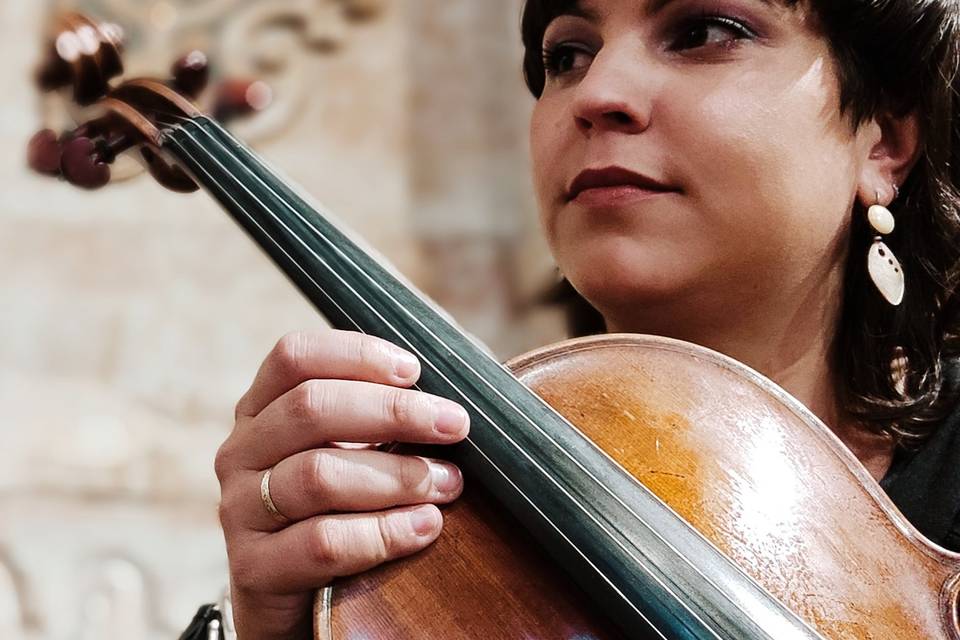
[{"x": 268, "y": 41}]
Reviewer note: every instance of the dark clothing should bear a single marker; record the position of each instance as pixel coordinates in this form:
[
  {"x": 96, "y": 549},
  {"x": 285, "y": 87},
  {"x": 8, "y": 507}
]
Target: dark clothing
[{"x": 925, "y": 485}]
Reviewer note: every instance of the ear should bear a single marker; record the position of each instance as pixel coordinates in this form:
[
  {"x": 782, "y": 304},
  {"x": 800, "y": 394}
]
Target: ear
[{"x": 891, "y": 149}]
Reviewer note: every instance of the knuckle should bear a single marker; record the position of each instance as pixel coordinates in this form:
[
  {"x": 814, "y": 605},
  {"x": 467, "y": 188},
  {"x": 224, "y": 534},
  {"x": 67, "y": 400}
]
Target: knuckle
[
  {"x": 323, "y": 544},
  {"x": 240, "y": 409},
  {"x": 223, "y": 514},
  {"x": 243, "y": 570},
  {"x": 314, "y": 399},
  {"x": 386, "y": 538},
  {"x": 227, "y": 512},
  {"x": 401, "y": 407},
  {"x": 320, "y": 472},
  {"x": 366, "y": 352},
  {"x": 223, "y": 463},
  {"x": 290, "y": 351},
  {"x": 413, "y": 475}
]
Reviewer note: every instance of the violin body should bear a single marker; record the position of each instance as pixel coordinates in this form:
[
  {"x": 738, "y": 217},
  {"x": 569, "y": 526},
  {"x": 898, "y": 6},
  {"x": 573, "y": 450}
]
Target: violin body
[{"x": 749, "y": 467}]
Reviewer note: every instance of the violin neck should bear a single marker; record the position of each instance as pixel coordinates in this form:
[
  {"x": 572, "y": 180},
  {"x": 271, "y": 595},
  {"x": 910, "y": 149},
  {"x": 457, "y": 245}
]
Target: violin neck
[{"x": 627, "y": 549}]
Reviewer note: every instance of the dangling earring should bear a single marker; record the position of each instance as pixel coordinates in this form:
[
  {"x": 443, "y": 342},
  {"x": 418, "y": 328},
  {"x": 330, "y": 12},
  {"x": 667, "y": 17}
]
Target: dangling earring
[{"x": 883, "y": 266}]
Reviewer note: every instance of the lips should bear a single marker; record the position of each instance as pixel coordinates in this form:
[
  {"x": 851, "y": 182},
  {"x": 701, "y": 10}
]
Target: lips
[{"x": 609, "y": 177}]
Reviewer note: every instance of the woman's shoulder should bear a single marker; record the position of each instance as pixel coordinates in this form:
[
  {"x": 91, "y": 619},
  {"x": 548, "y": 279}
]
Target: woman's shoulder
[{"x": 925, "y": 483}]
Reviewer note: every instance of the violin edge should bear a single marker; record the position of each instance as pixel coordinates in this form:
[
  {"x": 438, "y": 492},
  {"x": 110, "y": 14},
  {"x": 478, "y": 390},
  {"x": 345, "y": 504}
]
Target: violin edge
[{"x": 541, "y": 355}]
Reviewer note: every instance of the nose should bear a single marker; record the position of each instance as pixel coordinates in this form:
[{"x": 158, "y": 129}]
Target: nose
[{"x": 613, "y": 96}]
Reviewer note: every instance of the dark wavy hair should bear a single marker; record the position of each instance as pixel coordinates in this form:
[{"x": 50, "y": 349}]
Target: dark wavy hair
[{"x": 893, "y": 56}]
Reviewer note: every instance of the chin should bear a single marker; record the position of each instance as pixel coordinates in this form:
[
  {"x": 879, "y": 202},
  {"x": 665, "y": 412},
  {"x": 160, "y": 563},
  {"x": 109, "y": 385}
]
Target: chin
[{"x": 621, "y": 275}]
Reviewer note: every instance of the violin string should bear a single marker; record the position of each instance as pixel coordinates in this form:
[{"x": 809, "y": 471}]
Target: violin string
[
  {"x": 332, "y": 301},
  {"x": 172, "y": 114},
  {"x": 520, "y": 412},
  {"x": 177, "y": 119},
  {"x": 480, "y": 377},
  {"x": 398, "y": 305},
  {"x": 546, "y": 518},
  {"x": 437, "y": 370},
  {"x": 600, "y": 483},
  {"x": 318, "y": 233}
]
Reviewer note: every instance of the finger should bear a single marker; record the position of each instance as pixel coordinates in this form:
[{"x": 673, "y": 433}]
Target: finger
[
  {"x": 308, "y": 554},
  {"x": 327, "y": 353},
  {"x": 323, "y": 480},
  {"x": 320, "y": 411}
]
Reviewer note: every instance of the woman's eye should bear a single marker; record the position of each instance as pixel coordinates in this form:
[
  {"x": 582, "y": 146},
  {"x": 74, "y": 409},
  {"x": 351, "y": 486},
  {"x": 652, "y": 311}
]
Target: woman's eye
[
  {"x": 710, "y": 31},
  {"x": 564, "y": 58}
]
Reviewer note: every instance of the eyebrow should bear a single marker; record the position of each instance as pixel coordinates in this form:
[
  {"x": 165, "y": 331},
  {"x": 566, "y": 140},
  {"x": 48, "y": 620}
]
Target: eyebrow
[
  {"x": 656, "y": 6},
  {"x": 579, "y": 11},
  {"x": 653, "y": 7}
]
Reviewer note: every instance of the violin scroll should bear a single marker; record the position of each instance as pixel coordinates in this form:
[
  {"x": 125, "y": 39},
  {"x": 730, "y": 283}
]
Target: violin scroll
[
  {"x": 84, "y": 59},
  {"x": 84, "y": 55}
]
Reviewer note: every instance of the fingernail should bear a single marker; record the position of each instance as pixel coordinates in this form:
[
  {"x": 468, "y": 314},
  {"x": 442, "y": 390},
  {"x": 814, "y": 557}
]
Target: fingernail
[
  {"x": 405, "y": 365},
  {"x": 451, "y": 418},
  {"x": 446, "y": 477},
  {"x": 423, "y": 521}
]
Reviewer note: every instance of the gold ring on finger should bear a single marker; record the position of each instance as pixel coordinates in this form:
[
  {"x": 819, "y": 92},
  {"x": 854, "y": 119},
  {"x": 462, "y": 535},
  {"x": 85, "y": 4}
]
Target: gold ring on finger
[{"x": 268, "y": 501}]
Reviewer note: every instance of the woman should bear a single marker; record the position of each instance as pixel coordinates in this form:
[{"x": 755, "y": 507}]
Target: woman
[{"x": 704, "y": 170}]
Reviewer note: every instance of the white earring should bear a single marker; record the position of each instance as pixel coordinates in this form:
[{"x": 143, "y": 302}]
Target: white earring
[{"x": 882, "y": 265}]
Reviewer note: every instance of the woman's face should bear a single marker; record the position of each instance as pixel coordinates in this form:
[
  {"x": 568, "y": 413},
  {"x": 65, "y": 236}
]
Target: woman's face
[{"x": 692, "y": 150}]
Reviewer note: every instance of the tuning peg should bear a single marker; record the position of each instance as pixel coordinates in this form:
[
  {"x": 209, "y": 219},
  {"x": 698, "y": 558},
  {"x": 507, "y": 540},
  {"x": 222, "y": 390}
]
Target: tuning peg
[
  {"x": 82, "y": 165},
  {"x": 191, "y": 73},
  {"x": 44, "y": 152},
  {"x": 235, "y": 98}
]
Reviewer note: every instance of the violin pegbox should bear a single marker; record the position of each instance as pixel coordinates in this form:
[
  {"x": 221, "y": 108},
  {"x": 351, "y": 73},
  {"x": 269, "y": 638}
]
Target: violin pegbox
[
  {"x": 83, "y": 62},
  {"x": 126, "y": 118},
  {"x": 81, "y": 156}
]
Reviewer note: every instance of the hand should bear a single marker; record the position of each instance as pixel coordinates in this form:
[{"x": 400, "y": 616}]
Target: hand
[{"x": 348, "y": 509}]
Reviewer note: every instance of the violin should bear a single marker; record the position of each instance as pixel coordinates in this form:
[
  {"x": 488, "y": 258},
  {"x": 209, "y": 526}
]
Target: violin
[{"x": 620, "y": 486}]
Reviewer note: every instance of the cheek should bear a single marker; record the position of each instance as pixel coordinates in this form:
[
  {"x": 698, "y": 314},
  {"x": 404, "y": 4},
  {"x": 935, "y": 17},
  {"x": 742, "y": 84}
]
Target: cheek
[
  {"x": 545, "y": 147},
  {"x": 777, "y": 161},
  {"x": 768, "y": 168}
]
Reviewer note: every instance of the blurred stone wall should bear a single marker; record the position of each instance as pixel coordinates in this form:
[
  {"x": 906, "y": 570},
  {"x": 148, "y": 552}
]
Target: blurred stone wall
[{"x": 132, "y": 319}]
